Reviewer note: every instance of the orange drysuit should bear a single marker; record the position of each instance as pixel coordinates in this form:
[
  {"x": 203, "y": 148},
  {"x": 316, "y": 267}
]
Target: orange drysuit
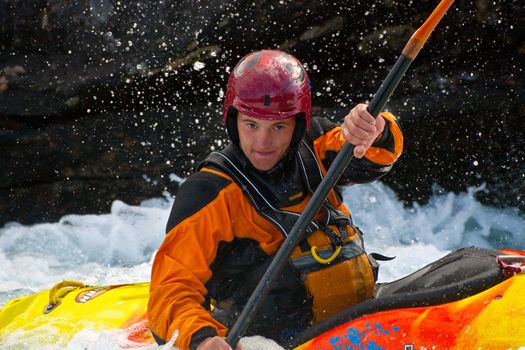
[{"x": 216, "y": 238}]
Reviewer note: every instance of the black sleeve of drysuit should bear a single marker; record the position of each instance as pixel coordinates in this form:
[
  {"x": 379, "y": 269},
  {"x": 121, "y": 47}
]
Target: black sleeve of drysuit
[
  {"x": 197, "y": 191},
  {"x": 318, "y": 127},
  {"x": 199, "y": 336}
]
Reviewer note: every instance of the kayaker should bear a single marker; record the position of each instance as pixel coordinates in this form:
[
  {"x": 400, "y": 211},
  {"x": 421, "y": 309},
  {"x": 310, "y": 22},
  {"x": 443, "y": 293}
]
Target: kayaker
[{"x": 230, "y": 217}]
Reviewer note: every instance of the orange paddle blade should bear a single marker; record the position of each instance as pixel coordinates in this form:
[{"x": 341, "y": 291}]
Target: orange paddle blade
[{"x": 421, "y": 35}]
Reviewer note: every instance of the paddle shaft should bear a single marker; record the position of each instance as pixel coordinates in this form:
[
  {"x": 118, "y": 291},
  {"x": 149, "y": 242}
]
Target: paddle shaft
[{"x": 332, "y": 176}]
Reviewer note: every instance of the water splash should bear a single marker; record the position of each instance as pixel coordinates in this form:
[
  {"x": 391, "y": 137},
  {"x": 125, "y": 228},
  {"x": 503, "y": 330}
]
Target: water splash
[{"x": 118, "y": 247}]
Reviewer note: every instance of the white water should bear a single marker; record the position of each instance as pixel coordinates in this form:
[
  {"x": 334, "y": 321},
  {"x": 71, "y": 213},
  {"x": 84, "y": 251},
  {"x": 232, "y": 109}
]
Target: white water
[{"x": 118, "y": 247}]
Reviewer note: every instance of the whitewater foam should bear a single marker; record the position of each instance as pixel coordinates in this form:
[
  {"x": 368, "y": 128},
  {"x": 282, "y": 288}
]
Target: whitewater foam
[{"x": 118, "y": 247}]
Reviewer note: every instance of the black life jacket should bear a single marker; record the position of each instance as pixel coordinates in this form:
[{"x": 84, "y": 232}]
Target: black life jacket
[
  {"x": 302, "y": 167},
  {"x": 303, "y": 175}
]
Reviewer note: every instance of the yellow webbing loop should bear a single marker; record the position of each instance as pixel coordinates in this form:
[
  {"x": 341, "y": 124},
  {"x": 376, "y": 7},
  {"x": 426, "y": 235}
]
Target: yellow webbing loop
[
  {"x": 60, "y": 289},
  {"x": 325, "y": 261}
]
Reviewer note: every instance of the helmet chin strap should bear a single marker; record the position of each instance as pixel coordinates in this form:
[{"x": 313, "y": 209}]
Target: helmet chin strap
[
  {"x": 231, "y": 125},
  {"x": 299, "y": 132}
]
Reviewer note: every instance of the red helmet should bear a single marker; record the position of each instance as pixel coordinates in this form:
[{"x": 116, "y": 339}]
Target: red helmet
[{"x": 269, "y": 84}]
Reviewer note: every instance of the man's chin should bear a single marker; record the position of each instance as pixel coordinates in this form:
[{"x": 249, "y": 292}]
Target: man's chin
[{"x": 263, "y": 166}]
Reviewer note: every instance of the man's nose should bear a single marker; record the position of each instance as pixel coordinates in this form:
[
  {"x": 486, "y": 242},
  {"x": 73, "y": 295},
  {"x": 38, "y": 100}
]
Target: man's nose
[{"x": 264, "y": 137}]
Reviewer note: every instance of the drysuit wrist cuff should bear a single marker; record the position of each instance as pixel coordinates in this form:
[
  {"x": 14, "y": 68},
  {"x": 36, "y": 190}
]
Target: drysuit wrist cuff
[{"x": 199, "y": 336}]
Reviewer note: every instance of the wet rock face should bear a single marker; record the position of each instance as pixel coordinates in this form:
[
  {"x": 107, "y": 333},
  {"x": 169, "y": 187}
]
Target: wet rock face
[{"x": 104, "y": 99}]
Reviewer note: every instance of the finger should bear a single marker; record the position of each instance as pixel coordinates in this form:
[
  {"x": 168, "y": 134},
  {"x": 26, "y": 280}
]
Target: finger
[
  {"x": 357, "y": 136},
  {"x": 359, "y": 151},
  {"x": 363, "y": 113},
  {"x": 380, "y": 124},
  {"x": 359, "y": 129},
  {"x": 369, "y": 143},
  {"x": 364, "y": 122},
  {"x": 353, "y": 134},
  {"x": 365, "y": 125}
]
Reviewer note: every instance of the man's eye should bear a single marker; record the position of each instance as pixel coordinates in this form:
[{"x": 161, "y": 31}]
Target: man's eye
[{"x": 251, "y": 125}]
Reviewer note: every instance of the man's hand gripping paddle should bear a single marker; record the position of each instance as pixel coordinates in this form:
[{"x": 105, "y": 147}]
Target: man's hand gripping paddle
[{"x": 379, "y": 100}]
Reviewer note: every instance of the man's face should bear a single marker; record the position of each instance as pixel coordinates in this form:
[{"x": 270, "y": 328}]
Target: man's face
[{"x": 264, "y": 142}]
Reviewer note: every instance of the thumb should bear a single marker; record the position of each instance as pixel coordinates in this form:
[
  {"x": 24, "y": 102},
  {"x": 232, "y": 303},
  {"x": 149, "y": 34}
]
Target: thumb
[{"x": 359, "y": 151}]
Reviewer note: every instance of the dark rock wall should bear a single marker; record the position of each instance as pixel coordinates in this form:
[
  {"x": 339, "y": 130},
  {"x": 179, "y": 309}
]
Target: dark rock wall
[{"x": 104, "y": 99}]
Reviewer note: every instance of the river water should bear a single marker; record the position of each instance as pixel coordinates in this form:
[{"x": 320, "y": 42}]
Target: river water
[{"x": 118, "y": 247}]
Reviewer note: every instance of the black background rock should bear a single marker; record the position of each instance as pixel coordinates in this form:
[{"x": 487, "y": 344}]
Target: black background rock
[{"x": 103, "y": 99}]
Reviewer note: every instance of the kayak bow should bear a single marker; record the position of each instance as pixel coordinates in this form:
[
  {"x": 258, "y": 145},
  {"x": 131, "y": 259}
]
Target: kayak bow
[{"x": 466, "y": 300}]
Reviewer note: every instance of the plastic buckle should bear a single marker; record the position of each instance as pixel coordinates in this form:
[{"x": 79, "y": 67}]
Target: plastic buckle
[{"x": 511, "y": 264}]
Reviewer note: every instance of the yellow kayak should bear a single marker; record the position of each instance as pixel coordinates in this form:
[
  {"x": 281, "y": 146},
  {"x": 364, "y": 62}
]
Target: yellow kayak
[
  {"x": 470, "y": 299},
  {"x": 54, "y": 316}
]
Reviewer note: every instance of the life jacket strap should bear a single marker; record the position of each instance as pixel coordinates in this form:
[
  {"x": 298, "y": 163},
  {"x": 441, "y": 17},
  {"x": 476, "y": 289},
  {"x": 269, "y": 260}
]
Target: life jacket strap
[
  {"x": 307, "y": 263},
  {"x": 283, "y": 220}
]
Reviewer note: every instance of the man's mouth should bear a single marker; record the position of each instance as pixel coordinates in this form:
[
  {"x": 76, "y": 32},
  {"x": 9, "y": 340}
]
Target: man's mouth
[{"x": 264, "y": 153}]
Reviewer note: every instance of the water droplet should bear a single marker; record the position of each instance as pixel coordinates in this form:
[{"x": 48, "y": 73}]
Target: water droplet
[{"x": 198, "y": 65}]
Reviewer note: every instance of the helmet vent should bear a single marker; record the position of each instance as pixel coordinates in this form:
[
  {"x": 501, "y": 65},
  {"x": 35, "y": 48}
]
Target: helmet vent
[{"x": 266, "y": 100}]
